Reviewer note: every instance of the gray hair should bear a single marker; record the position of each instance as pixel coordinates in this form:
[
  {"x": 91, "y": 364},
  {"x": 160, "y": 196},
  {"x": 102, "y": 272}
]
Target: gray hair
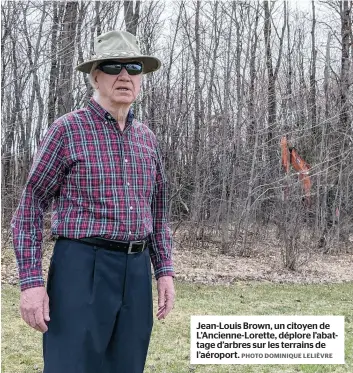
[{"x": 91, "y": 79}]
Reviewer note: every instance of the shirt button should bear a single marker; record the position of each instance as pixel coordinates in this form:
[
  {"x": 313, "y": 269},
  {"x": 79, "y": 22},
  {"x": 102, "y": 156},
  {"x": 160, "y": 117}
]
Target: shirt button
[
  {"x": 131, "y": 207},
  {"x": 105, "y": 122},
  {"x": 128, "y": 184},
  {"x": 130, "y": 232},
  {"x": 126, "y": 160}
]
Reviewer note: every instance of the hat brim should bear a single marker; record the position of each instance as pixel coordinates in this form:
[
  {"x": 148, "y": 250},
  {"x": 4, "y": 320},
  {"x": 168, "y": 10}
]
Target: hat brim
[{"x": 150, "y": 64}]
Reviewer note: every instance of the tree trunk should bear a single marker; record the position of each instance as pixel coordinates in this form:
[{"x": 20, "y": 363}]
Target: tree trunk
[
  {"x": 321, "y": 224},
  {"x": 33, "y": 55},
  {"x": 271, "y": 89},
  {"x": 345, "y": 66},
  {"x": 252, "y": 67},
  {"x": 66, "y": 55},
  {"x": 312, "y": 100},
  {"x": 131, "y": 18},
  {"x": 81, "y": 15},
  {"x": 196, "y": 142},
  {"x": 53, "y": 75},
  {"x": 272, "y": 77}
]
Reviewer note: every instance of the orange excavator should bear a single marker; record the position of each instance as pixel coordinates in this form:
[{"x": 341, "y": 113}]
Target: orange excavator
[{"x": 291, "y": 156}]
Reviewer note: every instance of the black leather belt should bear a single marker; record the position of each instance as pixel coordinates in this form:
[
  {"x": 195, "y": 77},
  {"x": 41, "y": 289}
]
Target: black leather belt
[{"x": 128, "y": 247}]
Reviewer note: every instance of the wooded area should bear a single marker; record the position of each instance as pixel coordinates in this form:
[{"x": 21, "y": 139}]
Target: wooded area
[{"x": 236, "y": 78}]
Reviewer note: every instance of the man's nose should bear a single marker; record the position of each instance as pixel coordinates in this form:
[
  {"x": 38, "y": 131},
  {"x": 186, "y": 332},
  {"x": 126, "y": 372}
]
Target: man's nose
[{"x": 123, "y": 74}]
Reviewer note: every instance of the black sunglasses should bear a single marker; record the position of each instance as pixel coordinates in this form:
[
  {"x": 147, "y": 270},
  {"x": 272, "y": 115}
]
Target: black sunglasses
[{"x": 114, "y": 68}]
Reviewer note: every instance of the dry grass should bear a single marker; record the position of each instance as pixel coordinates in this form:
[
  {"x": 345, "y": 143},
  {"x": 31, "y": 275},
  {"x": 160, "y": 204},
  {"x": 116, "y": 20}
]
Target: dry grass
[
  {"x": 205, "y": 264},
  {"x": 169, "y": 349},
  {"x": 209, "y": 283}
]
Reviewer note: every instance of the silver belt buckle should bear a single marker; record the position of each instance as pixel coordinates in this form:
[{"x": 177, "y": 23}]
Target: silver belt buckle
[{"x": 133, "y": 242}]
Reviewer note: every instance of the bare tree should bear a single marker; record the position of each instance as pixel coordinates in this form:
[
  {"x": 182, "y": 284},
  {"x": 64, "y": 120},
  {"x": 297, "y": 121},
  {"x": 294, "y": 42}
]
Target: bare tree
[
  {"x": 53, "y": 76},
  {"x": 131, "y": 16},
  {"x": 346, "y": 78},
  {"x": 235, "y": 78},
  {"x": 66, "y": 56},
  {"x": 313, "y": 73},
  {"x": 272, "y": 73}
]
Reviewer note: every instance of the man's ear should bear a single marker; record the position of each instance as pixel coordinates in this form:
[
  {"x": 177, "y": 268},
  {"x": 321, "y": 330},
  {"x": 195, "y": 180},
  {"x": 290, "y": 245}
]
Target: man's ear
[{"x": 95, "y": 80}]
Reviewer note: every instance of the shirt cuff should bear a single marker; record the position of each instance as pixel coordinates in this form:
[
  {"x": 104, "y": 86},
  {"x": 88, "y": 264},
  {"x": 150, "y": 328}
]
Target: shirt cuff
[
  {"x": 163, "y": 268},
  {"x": 31, "y": 278}
]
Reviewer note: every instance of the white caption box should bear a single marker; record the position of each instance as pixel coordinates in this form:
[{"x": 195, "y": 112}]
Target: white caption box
[{"x": 267, "y": 340}]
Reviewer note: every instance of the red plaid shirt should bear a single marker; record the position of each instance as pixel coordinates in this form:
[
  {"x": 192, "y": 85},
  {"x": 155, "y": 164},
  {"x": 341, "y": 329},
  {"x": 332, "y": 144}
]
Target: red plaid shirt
[{"x": 103, "y": 182}]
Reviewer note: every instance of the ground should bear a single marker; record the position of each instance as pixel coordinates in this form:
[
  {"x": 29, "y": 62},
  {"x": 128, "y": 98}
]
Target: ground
[
  {"x": 207, "y": 265},
  {"x": 209, "y": 283}
]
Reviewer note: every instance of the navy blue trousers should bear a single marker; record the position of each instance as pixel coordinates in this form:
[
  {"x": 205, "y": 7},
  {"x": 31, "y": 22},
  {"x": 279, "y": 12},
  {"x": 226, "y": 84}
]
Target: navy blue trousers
[{"x": 101, "y": 311}]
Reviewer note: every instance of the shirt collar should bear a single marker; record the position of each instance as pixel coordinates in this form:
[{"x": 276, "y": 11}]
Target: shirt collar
[{"x": 105, "y": 115}]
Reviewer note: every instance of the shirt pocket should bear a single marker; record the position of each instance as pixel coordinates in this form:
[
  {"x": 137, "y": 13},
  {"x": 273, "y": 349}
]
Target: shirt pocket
[{"x": 146, "y": 162}]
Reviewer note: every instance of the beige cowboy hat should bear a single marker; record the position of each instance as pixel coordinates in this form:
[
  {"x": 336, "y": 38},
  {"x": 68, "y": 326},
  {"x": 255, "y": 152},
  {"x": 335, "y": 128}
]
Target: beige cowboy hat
[{"x": 119, "y": 45}]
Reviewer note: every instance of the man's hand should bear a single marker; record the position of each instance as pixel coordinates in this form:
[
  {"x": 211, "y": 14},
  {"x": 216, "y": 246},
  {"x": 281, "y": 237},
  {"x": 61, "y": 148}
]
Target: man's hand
[
  {"x": 34, "y": 307},
  {"x": 166, "y": 295}
]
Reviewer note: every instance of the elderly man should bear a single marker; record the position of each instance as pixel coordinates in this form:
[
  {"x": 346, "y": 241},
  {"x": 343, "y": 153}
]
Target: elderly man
[{"x": 102, "y": 170}]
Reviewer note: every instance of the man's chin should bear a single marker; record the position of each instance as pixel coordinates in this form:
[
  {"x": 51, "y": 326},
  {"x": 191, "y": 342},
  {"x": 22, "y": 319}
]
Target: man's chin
[{"x": 123, "y": 101}]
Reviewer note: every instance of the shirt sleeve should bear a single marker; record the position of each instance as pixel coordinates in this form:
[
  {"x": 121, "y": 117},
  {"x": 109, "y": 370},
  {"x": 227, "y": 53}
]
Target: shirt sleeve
[
  {"x": 161, "y": 239},
  {"x": 43, "y": 182}
]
